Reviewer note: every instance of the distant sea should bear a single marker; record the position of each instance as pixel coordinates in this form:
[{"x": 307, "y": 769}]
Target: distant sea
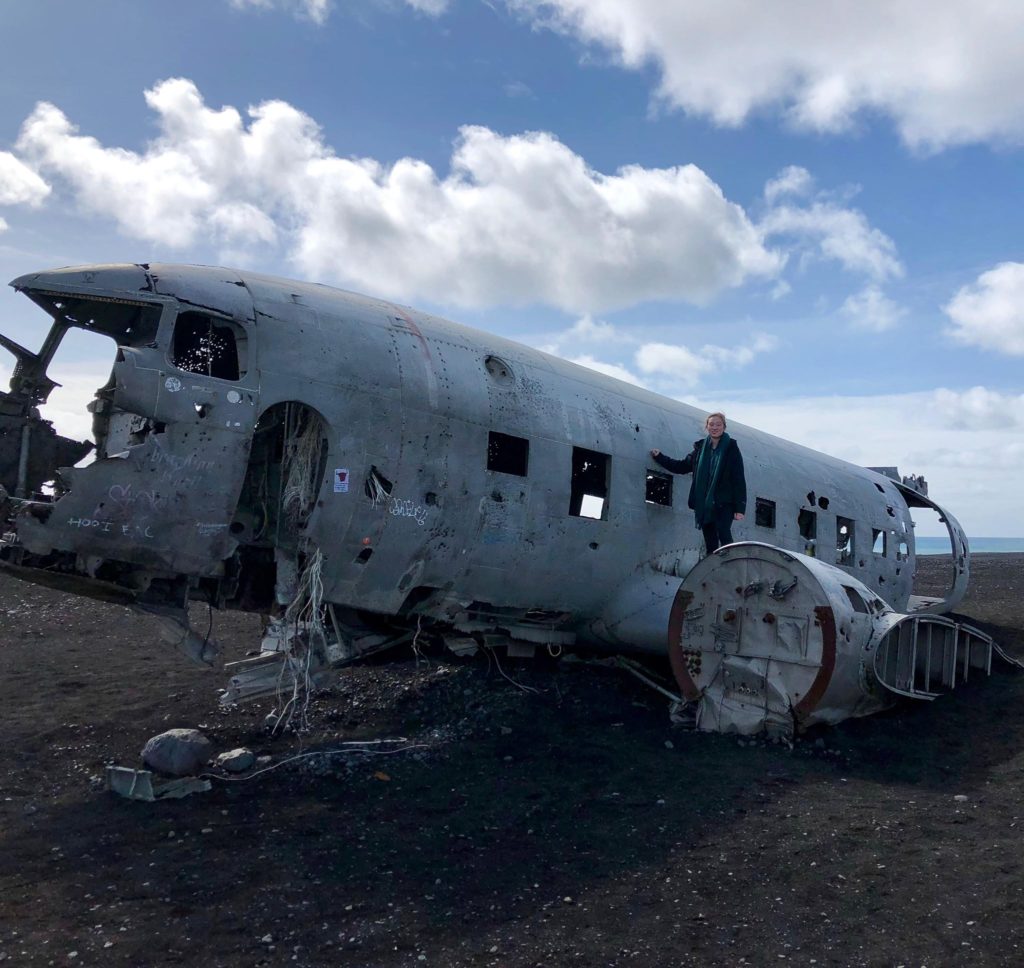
[{"x": 940, "y": 546}]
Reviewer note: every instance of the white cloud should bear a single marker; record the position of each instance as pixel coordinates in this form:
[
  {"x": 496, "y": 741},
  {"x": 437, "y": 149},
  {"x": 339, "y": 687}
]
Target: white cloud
[
  {"x": 872, "y": 310},
  {"x": 673, "y": 364},
  {"x": 19, "y": 184},
  {"x": 929, "y": 433},
  {"x": 979, "y": 408},
  {"x": 738, "y": 356},
  {"x": 587, "y": 328},
  {"x": 241, "y": 221},
  {"x": 516, "y": 89},
  {"x": 990, "y": 312},
  {"x": 792, "y": 180},
  {"x": 432, "y": 7},
  {"x": 608, "y": 369},
  {"x": 843, "y": 235},
  {"x": 687, "y": 367},
  {"x": 3, "y": 225},
  {"x": 518, "y": 219},
  {"x": 161, "y": 196},
  {"x": 319, "y": 10},
  {"x": 315, "y": 10},
  {"x": 948, "y": 73},
  {"x": 679, "y": 362}
]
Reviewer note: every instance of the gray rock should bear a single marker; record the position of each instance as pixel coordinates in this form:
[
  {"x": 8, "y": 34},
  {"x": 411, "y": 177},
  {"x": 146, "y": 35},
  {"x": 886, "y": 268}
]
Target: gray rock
[
  {"x": 236, "y": 761},
  {"x": 178, "y": 752}
]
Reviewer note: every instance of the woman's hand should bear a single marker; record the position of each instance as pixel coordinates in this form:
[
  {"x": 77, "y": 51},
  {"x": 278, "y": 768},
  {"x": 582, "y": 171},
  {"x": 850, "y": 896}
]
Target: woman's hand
[
  {"x": 655, "y": 452},
  {"x": 737, "y": 516}
]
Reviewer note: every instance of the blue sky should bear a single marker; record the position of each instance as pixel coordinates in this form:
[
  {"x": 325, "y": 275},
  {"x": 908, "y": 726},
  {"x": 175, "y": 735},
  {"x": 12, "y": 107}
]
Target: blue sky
[{"x": 806, "y": 215}]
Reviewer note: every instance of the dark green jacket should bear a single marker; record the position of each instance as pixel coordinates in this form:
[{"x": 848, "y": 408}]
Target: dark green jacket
[{"x": 731, "y": 489}]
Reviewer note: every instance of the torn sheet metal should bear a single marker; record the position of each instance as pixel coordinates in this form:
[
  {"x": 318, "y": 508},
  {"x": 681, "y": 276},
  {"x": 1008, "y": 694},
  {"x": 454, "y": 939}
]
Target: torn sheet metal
[{"x": 142, "y": 785}]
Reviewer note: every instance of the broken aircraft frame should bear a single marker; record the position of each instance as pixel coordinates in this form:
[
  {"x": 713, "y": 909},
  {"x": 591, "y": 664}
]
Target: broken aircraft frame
[{"x": 367, "y": 473}]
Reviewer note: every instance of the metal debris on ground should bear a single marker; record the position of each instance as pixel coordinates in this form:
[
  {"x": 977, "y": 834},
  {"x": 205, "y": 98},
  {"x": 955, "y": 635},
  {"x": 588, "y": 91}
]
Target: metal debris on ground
[{"x": 142, "y": 785}]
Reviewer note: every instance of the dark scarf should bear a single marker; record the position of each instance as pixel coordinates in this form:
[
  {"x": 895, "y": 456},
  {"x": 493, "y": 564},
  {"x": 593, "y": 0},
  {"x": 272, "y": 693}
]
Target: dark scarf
[{"x": 709, "y": 466}]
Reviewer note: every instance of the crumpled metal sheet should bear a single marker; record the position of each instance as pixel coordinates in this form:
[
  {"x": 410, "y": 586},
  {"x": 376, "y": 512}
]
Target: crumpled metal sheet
[{"x": 141, "y": 785}]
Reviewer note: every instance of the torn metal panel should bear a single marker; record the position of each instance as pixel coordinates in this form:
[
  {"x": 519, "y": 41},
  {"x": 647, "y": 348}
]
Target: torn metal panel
[
  {"x": 961, "y": 558},
  {"x": 143, "y": 785}
]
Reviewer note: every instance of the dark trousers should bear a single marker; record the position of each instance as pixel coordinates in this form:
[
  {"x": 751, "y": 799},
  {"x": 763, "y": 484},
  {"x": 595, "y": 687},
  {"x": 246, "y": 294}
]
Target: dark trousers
[{"x": 719, "y": 531}]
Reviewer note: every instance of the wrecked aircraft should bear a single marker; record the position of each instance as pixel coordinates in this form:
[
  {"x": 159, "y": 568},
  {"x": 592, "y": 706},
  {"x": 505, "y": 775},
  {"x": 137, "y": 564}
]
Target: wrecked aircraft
[{"x": 367, "y": 474}]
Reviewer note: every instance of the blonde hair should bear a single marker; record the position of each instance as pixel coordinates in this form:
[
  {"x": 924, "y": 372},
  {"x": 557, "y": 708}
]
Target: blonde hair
[{"x": 717, "y": 413}]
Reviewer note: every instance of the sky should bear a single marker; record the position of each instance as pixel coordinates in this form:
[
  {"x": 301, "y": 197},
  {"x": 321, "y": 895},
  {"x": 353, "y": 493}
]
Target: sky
[{"x": 806, "y": 215}]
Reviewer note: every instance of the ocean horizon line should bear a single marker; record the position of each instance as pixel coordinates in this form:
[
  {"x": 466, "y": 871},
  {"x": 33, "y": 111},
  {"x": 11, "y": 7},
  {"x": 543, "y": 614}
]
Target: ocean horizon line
[{"x": 940, "y": 545}]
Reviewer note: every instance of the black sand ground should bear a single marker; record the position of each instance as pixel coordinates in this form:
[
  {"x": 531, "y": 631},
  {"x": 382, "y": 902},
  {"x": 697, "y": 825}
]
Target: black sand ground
[{"x": 562, "y": 821}]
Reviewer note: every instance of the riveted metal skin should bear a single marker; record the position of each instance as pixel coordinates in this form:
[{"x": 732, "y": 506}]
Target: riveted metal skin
[{"x": 251, "y": 422}]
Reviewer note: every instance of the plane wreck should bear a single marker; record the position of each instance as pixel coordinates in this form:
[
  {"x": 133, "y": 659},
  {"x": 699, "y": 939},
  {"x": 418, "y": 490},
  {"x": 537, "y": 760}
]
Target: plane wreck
[{"x": 365, "y": 475}]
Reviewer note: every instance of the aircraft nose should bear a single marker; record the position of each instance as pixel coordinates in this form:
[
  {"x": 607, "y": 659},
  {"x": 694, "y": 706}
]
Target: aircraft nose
[{"x": 123, "y": 277}]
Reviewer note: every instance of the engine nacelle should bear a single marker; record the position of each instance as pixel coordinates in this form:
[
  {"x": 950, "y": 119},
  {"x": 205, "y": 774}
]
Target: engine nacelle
[{"x": 764, "y": 639}]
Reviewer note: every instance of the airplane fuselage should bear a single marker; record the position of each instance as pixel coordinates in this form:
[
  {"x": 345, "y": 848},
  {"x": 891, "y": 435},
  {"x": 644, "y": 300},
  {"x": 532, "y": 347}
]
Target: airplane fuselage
[{"x": 457, "y": 475}]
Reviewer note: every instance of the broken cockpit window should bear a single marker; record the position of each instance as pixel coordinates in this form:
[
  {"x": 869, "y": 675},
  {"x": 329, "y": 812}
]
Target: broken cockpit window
[
  {"x": 68, "y": 365},
  {"x": 208, "y": 345},
  {"x": 128, "y": 322}
]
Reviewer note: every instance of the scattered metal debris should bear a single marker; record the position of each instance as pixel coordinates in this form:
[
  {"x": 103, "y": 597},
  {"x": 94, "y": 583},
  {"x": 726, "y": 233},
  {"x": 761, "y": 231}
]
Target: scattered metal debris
[
  {"x": 143, "y": 785},
  {"x": 635, "y": 669}
]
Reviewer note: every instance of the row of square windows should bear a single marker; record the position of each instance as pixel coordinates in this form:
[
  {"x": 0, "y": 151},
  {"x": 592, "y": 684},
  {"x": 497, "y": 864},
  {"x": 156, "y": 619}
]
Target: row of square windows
[{"x": 508, "y": 454}]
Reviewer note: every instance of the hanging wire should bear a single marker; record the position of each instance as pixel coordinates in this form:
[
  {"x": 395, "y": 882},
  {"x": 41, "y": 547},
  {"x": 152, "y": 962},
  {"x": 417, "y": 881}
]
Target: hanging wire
[{"x": 304, "y": 614}]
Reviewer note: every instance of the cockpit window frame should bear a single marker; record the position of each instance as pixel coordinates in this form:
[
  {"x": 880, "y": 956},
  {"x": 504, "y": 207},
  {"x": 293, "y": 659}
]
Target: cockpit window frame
[{"x": 231, "y": 368}]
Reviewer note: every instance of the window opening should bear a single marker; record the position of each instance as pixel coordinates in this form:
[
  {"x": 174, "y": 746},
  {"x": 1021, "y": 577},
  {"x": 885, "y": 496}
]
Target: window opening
[
  {"x": 844, "y": 541},
  {"x": 659, "y": 489},
  {"x": 808, "y": 524},
  {"x": 205, "y": 345},
  {"x": 127, "y": 322},
  {"x": 764, "y": 513},
  {"x": 856, "y": 599},
  {"x": 902, "y": 551},
  {"x": 589, "y": 494},
  {"x": 507, "y": 454},
  {"x": 878, "y": 541}
]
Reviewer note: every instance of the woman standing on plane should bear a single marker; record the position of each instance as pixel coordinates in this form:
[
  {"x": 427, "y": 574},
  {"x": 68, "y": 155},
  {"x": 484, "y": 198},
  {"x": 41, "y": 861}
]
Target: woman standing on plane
[{"x": 718, "y": 492}]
